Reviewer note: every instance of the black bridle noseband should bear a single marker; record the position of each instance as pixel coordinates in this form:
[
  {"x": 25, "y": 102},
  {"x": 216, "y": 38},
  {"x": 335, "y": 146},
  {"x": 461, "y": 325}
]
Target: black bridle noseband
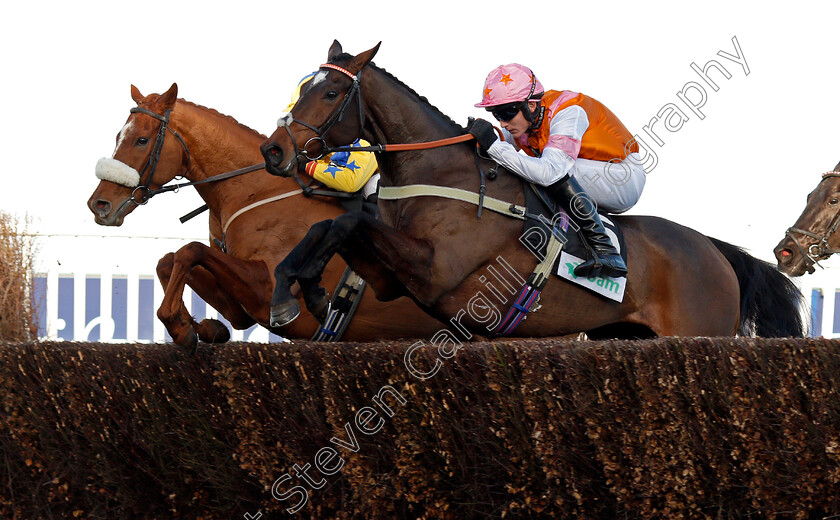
[
  {"x": 354, "y": 91},
  {"x": 820, "y": 250}
]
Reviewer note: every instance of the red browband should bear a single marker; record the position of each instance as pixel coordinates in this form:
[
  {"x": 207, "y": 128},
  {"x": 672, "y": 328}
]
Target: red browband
[{"x": 340, "y": 69}]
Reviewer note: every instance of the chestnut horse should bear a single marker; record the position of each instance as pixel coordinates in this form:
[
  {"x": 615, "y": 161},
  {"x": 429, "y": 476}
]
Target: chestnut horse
[
  {"x": 437, "y": 251},
  {"x": 813, "y": 237},
  {"x": 238, "y": 282}
]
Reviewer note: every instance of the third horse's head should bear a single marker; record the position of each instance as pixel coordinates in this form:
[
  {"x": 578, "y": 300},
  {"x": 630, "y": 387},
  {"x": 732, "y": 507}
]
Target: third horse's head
[
  {"x": 328, "y": 114},
  {"x": 813, "y": 237}
]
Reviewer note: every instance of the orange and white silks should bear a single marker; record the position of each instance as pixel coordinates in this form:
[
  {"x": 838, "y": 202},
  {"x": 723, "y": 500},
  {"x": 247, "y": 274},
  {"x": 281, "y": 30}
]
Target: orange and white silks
[
  {"x": 606, "y": 138},
  {"x": 577, "y": 136}
]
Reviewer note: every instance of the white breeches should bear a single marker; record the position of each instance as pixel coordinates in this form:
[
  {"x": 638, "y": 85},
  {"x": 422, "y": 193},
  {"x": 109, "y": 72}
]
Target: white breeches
[{"x": 615, "y": 187}]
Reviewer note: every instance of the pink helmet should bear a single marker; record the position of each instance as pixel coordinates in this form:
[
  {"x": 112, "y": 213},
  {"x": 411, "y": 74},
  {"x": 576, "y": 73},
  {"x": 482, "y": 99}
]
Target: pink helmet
[{"x": 509, "y": 84}]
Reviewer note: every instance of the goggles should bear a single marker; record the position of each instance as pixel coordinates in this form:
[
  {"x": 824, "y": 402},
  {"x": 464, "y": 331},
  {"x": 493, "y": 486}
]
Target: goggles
[{"x": 504, "y": 113}]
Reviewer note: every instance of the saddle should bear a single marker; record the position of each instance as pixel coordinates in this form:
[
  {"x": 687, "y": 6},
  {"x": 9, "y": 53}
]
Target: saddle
[
  {"x": 543, "y": 216},
  {"x": 549, "y": 234}
]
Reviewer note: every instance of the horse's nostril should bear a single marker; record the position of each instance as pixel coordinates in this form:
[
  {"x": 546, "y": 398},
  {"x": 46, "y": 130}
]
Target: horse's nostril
[
  {"x": 785, "y": 252},
  {"x": 102, "y": 207},
  {"x": 273, "y": 155}
]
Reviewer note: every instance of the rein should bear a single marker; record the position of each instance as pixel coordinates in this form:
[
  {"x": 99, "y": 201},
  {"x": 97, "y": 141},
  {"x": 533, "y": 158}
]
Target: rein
[
  {"x": 215, "y": 178},
  {"x": 404, "y": 147},
  {"x": 147, "y": 193},
  {"x": 820, "y": 250}
]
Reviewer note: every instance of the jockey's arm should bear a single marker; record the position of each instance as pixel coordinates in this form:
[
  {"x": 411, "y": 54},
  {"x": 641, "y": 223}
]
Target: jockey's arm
[
  {"x": 344, "y": 171},
  {"x": 566, "y": 131}
]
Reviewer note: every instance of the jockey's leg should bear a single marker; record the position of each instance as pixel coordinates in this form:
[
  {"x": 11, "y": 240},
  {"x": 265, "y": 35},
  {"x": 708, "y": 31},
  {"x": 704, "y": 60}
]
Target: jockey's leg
[
  {"x": 574, "y": 200},
  {"x": 614, "y": 186}
]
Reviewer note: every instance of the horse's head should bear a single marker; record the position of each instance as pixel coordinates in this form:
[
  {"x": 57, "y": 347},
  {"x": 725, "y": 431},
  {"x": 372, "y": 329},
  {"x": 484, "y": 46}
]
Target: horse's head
[
  {"x": 328, "y": 114},
  {"x": 142, "y": 161},
  {"x": 813, "y": 237}
]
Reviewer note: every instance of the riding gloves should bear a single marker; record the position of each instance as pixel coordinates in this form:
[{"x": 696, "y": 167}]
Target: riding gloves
[{"x": 483, "y": 133}]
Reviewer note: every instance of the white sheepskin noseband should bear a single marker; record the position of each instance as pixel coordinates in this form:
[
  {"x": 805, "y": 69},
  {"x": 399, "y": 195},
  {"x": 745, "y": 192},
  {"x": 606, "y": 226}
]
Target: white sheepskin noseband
[{"x": 118, "y": 172}]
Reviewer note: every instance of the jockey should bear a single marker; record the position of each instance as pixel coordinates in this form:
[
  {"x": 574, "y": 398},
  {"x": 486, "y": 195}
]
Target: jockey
[
  {"x": 342, "y": 171},
  {"x": 567, "y": 139}
]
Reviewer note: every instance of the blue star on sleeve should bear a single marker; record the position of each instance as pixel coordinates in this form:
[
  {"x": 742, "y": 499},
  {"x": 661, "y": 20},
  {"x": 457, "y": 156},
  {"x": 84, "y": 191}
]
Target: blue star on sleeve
[
  {"x": 332, "y": 170},
  {"x": 353, "y": 166}
]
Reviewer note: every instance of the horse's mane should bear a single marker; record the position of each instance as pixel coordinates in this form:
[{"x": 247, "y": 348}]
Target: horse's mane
[
  {"x": 396, "y": 80},
  {"x": 223, "y": 116},
  {"x": 423, "y": 99}
]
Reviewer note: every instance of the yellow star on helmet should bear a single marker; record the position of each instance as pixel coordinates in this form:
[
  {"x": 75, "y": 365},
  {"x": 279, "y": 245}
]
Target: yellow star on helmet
[
  {"x": 487, "y": 92},
  {"x": 505, "y": 79}
]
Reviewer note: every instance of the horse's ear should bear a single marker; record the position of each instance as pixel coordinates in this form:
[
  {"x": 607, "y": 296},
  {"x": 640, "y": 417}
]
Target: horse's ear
[
  {"x": 363, "y": 59},
  {"x": 136, "y": 95},
  {"x": 335, "y": 50},
  {"x": 167, "y": 99}
]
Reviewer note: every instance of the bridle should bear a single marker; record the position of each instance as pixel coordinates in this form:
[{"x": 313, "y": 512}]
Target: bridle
[
  {"x": 146, "y": 193},
  {"x": 143, "y": 188},
  {"x": 820, "y": 250},
  {"x": 354, "y": 91},
  {"x": 151, "y": 165}
]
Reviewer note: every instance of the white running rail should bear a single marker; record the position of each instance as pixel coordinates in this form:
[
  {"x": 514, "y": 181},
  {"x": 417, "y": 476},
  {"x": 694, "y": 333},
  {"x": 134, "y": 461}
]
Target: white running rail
[{"x": 114, "y": 308}]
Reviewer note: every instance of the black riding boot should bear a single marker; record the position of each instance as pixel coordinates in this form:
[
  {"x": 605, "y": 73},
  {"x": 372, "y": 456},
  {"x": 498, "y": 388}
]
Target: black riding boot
[{"x": 605, "y": 259}]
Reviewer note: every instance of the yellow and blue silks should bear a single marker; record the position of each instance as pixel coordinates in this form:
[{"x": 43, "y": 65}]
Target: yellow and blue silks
[{"x": 343, "y": 171}]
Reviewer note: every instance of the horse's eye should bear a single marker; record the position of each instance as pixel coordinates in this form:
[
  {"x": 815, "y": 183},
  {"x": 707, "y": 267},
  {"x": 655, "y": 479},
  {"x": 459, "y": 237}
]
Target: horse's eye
[
  {"x": 833, "y": 202},
  {"x": 332, "y": 94},
  {"x": 142, "y": 141}
]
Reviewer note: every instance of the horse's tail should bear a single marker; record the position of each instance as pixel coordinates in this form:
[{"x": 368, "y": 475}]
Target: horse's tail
[{"x": 771, "y": 304}]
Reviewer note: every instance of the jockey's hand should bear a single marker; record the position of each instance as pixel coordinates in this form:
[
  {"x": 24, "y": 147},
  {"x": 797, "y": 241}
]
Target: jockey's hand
[{"x": 484, "y": 133}]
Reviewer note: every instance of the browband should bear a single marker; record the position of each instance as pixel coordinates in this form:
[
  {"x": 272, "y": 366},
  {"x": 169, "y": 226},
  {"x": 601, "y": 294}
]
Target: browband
[{"x": 340, "y": 69}]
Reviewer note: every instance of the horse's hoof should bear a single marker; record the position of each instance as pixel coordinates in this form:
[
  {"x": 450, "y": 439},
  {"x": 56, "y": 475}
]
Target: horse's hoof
[
  {"x": 284, "y": 313},
  {"x": 189, "y": 342},
  {"x": 213, "y": 331}
]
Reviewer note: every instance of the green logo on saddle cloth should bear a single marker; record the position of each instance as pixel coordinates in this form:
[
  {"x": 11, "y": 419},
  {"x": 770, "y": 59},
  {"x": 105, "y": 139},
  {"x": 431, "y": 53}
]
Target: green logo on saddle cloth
[{"x": 612, "y": 288}]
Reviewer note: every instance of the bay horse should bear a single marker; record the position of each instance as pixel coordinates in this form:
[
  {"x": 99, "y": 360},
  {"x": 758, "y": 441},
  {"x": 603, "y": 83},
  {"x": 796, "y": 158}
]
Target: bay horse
[
  {"x": 813, "y": 237},
  {"x": 437, "y": 251},
  {"x": 237, "y": 282}
]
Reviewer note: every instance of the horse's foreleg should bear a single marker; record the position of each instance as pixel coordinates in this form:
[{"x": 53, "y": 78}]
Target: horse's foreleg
[
  {"x": 237, "y": 286},
  {"x": 208, "y": 288},
  {"x": 369, "y": 247},
  {"x": 178, "y": 319},
  {"x": 205, "y": 285},
  {"x": 284, "y": 307}
]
